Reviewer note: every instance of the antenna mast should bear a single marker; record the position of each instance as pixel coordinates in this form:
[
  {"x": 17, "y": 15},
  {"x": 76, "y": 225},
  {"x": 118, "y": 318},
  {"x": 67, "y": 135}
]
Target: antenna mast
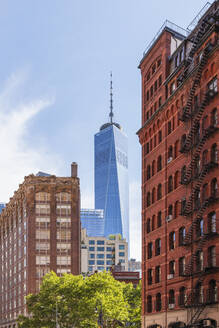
[{"x": 111, "y": 99}]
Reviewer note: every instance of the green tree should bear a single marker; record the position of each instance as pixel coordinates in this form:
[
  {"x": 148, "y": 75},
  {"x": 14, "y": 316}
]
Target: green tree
[
  {"x": 74, "y": 301},
  {"x": 133, "y": 298}
]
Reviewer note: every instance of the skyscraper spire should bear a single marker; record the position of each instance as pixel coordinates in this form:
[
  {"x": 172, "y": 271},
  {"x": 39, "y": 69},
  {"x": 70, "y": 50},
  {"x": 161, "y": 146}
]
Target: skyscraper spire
[{"x": 111, "y": 99}]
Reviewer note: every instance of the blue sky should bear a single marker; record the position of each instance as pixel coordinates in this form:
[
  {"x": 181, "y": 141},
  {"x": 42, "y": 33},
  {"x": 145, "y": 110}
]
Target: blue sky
[{"x": 56, "y": 57}]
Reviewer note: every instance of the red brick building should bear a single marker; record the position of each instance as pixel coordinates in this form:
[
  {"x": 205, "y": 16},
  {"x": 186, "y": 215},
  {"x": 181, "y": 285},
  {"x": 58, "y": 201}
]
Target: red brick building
[
  {"x": 39, "y": 232},
  {"x": 180, "y": 200}
]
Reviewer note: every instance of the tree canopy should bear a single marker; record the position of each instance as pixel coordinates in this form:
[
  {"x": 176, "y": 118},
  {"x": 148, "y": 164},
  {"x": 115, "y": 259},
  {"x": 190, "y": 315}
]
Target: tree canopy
[{"x": 74, "y": 301}]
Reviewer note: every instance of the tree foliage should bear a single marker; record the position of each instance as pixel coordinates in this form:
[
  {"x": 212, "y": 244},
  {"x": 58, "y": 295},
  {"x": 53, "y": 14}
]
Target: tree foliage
[{"x": 75, "y": 301}]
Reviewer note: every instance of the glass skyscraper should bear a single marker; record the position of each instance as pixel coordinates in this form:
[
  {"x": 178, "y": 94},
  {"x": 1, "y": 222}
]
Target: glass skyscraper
[
  {"x": 111, "y": 177},
  {"x": 93, "y": 222}
]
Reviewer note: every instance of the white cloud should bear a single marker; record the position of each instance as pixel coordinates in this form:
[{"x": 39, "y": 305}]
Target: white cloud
[{"x": 17, "y": 158}]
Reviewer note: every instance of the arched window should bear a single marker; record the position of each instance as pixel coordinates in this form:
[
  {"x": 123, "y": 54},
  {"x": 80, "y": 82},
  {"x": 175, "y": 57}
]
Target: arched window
[
  {"x": 182, "y": 265},
  {"x": 214, "y": 157},
  {"x": 183, "y": 174},
  {"x": 150, "y": 278},
  {"x": 170, "y": 211},
  {"x": 153, "y": 223},
  {"x": 214, "y": 119},
  {"x": 172, "y": 240},
  {"x": 149, "y": 303},
  {"x": 212, "y": 291},
  {"x": 182, "y": 296},
  {"x": 171, "y": 298},
  {"x": 204, "y": 123},
  {"x": 148, "y": 172},
  {"x": 169, "y": 127},
  {"x": 182, "y": 236},
  {"x": 172, "y": 267},
  {"x": 170, "y": 183},
  {"x": 170, "y": 154},
  {"x": 204, "y": 192},
  {"x": 183, "y": 206},
  {"x": 199, "y": 293},
  {"x": 183, "y": 140},
  {"x": 197, "y": 166},
  {"x": 159, "y": 136},
  {"x": 157, "y": 274},
  {"x": 150, "y": 250},
  {"x": 153, "y": 167},
  {"x": 211, "y": 256},
  {"x": 148, "y": 199},
  {"x": 176, "y": 148},
  {"x": 148, "y": 225},
  {"x": 176, "y": 209},
  {"x": 159, "y": 219},
  {"x": 197, "y": 200},
  {"x": 153, "y": 195},
  {"x": 158, "y": 302},
  {"x": 199, "y": 228},
  {"x": 212, "y": 227},
  {"x": 157, "y": 246},
  {"x": 159, "y": 191},
  {"x": 159, "y": 163},
  {"x": 205, "y": 157},
  {"x": 199, "y": 261},
  {"x": 176, "y": 180},
  {"x": 214, "y": 188}
]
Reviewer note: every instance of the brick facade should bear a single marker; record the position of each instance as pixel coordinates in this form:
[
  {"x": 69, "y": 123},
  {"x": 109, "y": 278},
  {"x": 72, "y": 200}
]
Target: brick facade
[
  {"x": 39, "y": 232},
  {"x": 179, "y": 138}
]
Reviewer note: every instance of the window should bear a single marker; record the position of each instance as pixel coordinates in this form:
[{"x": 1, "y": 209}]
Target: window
[
  {"x": 63, "y": 197},
  {"x": 100, "y": 256},
  {"x": 212, "y": 85},
  {"x": 42, "y": 209},
  {"x": 148, "y": 225},
  {"x": 205, "y": 157},
  {"x": 151, "y": 90},
  {"x": 171, "y": 298},
  {"x": 199, "y": 228},
  {"x": 63, "y": 210},
  {"x": 159, "y": 136},
  {"x": 42, "y": 197},
  {"x": 100, "y": 262},
  {"x": 212, "y": 291},
  {"x": 157, "y": 274},
  {"x": 109, "y": 249},
  {"x": 64, "y": 260},
  {"x": 149, "y": 303},
  {"x": 159, "y": 219},
  {"x": 170, "y": 154},
  {"x": 121, "y": 254},
  {"x": 211, "y": 256},
  {"x": 109, "y": 262},
  {"x": 172, "y": 240},
  {"x": 157, "y": 247},
  {"x": 183, "y": 140},
  {"x": 170, "y": 211},
  {"x": 199, "y": 261},
  {"x": 214, "y": 188},
  {"x": 197, "y": 200},
  {"x": 121, "y": 247},
  {"x": 158, "y": 302},
  {"x": 92, "y": 256},
  {"x": 91, "y": 249},
  {"x": 199, "y": 293},
  {"x": 42, "y": 234},
  {"x": 147, "y": 148},
  {"x": 155, "y": 86},
  {"x": 212, "y": 228},
  {"x": 150, "y": 279},
  {"x": 158, "y": 62},
  {"x": 160, "y": 101},
  {"x": 214, "y": 153},
  {"x": 63, "y": 235},
  {"x": 42, "y": 260},
  {"x": 153, "y": 223},
  {"x": 172, "y": 87},
  {"x": 182, "y": 235},
  {"x": 183, "y": 174},
  {"x": 214, "y": 119},
  {"x": 159, "y": 191},
  {"x": 148, "y": 95},
  {"x": 100, "y": 242},
  {"x": 100, "y": 249},
  {"x": 182, "y": 296},
  {"x": 197, "y": 166},
  {"x": 159, "y": 163},
  {"x": 148, "y": 199},
  {"x": 153, "y": 68},
  {"x": 160, "y": 80},
  {"x": 91, "y": 242},
  {"x": 169, "y": 127},
  {"x": 204, "y": 192},
  {"x": 170, "y": 183},
  {"x": 150, "y": 250},
  {"x": 109, "y": 256},
  {"x": 148, "y": 172},
  {"x": 172, "y": 267},
  {"x": 176, "y": 180},
  {"x": 182, "y": 264}
]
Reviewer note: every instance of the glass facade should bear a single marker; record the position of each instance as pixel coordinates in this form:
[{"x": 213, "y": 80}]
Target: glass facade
[
  {"x": 111, "y": 179},
  {"x": 93, "y": 222},
  {"x": 2, "y": 205}
]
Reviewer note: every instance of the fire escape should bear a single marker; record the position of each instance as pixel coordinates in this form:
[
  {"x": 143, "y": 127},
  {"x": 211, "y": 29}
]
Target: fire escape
[{"x": 194, "y": 176}]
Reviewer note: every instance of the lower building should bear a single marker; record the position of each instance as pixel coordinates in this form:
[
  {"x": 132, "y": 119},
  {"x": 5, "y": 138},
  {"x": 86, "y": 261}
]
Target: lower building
[
  {"x": 2, "y": 205},
  {"x": 39, "y": 232},
  {"x": 134, "y": 265},
  {"x": 101, "y": 253},
  {"x": 93, "y": 221}
]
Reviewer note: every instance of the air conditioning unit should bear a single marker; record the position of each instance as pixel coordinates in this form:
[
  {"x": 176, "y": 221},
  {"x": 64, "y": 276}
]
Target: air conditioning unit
[
  {"x": 169, "y": 160},
  {"x": 171, "y": 306},
  {"x": 170, "y": 276},
  {"x": 169, "y": 218}
]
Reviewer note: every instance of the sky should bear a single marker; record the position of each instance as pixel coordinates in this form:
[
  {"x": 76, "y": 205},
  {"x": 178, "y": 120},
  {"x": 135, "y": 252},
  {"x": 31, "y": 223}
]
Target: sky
[{"x": 56, "y": 58}]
